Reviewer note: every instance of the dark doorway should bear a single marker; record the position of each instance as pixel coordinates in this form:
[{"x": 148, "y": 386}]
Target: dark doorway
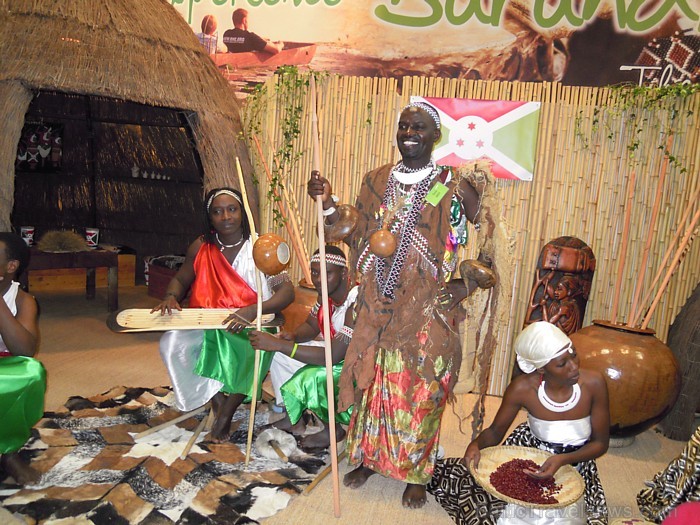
[{"x": 129, "y": 169}]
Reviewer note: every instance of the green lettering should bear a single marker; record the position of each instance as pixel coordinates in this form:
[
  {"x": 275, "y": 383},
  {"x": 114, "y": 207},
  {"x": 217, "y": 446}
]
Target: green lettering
[
  {"x": 189, "y": 10},
  {"x": 627, "y": 16},
  {"x": 255, "y": 3},
  {"x": 563, "y": 10},
  {"x": 221, "y": 2},
  {"x": 474, "y": 7},
  {"x": 382, "y": 12}
]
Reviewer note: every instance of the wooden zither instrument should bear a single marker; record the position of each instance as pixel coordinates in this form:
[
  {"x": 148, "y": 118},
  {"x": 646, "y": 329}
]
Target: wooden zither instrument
[{"x": 142, "y": 320}]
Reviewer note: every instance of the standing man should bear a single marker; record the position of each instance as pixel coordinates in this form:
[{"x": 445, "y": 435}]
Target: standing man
[
  {"x": 405, "y": 353},
  {"x": 240, "y": 40}
]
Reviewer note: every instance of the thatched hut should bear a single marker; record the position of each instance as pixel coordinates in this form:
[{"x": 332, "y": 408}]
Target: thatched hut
[{"x": 131, "y": 94}]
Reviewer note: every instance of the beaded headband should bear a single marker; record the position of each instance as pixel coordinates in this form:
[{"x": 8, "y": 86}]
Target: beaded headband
[
  {"x": 222, "y": 192},
  {"x": 430, "y": 110},
  {"x": 331, "y": 258}
]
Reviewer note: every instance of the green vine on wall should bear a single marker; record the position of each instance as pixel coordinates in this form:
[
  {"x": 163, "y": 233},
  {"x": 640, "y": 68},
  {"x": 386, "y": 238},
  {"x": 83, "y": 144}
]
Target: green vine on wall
[
  {"x": 638, "y": 107},
  {"x": 289, "y": 93}
]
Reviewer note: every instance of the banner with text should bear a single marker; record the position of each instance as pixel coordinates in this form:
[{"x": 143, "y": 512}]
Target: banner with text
[{"x": 577, "y": 42}]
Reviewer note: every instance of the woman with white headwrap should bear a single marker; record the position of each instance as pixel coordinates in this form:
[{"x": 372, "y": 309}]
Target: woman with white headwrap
[{"x": 568, "y": 415}]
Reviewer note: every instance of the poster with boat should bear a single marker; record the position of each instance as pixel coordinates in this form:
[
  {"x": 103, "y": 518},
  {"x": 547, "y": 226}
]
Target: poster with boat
[{"x": 651, "y": 41}]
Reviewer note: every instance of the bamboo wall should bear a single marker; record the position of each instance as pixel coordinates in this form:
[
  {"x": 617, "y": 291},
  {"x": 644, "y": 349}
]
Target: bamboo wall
[{"x": 579, "y": 188}]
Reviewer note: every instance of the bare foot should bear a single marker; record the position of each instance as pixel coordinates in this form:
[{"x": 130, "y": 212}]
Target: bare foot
[
  {"x": 285, "y": 424},
  {"x": 322, "y": 439},
  {"x": 22, "y": 472},
  {"x": 221, "y": 429},
  {"x": 414, "y": 497},
  {"x": 357, "y": 477}
]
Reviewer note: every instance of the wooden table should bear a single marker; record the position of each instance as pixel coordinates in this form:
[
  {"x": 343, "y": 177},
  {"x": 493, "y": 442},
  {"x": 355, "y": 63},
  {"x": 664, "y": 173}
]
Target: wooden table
[{"x": 89, "y": 260}]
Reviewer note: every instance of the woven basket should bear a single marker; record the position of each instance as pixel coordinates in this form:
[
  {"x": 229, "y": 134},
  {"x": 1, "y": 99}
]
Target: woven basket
[{"x": 572, "y": 485}]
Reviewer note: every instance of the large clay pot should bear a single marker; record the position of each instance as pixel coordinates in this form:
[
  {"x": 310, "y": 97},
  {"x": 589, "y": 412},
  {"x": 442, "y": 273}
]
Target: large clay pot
[{"x": 641, "y": 372}]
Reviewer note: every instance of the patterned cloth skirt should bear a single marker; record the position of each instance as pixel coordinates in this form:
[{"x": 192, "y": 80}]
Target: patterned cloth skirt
[
  {"x": 395, "y": 427},
  {"x": 677, "y": 483},
  {"x": 468, "y": 504}
]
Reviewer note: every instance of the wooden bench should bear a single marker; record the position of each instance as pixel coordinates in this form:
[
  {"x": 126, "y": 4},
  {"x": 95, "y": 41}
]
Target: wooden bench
[{"x": 89, "y": 260}]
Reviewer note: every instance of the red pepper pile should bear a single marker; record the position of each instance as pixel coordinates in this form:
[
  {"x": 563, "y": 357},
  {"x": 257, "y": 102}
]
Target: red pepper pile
[{"x": 511, "y": 480}]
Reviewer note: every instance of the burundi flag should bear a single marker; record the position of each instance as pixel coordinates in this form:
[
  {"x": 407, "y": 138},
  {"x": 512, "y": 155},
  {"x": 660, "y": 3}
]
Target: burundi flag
[{"x": 501, "y": 132}]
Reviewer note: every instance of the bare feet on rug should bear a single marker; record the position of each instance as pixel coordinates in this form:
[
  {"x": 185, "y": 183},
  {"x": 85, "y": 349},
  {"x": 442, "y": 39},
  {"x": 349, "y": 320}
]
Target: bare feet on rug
[
  {"x": 357, "y": 477},
  {"x": 414, "y": 497},
  {"x": 22, "y": 472},
  {"x": 221, "y": 429},
  {"x": 285, "y": 424},
  {"x": 322, "y": 439}
]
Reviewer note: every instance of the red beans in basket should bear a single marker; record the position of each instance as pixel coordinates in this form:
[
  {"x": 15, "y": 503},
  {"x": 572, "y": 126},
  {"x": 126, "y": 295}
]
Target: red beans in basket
[{"x": 511, "y": 480}]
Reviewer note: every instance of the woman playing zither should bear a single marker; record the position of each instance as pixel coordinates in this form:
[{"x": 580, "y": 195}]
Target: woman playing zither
[{"x": 220, "y": 273}]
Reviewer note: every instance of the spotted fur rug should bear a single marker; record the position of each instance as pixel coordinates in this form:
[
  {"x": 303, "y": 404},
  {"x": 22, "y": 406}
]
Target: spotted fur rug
[{"x": 93, "y": 471}]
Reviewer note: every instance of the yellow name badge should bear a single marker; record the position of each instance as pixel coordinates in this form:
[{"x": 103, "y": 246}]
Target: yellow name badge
[{"x": 436, "y": 193}]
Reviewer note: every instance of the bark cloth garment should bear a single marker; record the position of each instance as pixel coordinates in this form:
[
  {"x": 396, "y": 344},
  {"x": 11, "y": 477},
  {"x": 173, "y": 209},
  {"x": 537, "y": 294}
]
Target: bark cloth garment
[
  {"x": 306, "y": 389},
  {"x": 469, "y": 504},
  {"x": 204, "y": 362},
  {"x": 404, "y": 356},
  {"x": 677, "y": 483},
  {"x": 22, "y": 388}
]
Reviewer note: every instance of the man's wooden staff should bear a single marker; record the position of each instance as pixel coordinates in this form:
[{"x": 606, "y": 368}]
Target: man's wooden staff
[
  {"x": 324, "y": 304},
  {"x": 258, "y": 319}
]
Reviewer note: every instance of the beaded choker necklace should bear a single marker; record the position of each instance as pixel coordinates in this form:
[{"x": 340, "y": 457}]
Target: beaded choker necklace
[
  {"x": 223, "y": 246},
  {"x": 559, "y": 407},
  {"x": 406, "y": 175}
]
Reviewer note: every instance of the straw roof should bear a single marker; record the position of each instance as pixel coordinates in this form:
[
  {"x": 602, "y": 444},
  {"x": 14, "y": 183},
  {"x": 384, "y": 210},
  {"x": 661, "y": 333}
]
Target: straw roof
[{"x": 136, "y": 50}]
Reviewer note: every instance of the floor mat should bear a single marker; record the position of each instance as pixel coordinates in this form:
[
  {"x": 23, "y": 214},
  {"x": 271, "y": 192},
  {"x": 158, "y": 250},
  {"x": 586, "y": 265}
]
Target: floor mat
[{"x": 93, "y": 471}]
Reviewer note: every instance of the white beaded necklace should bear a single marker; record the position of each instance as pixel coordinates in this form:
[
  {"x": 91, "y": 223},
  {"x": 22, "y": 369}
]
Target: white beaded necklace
[
  {"x": 559, "y": 407},
  {"x": 223, "y": 246},
  {"x": 407, "y": 176}
]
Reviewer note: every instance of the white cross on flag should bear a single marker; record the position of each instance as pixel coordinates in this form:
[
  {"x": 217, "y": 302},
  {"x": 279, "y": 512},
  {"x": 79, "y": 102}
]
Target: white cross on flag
[{"x": 499, "y": 131}]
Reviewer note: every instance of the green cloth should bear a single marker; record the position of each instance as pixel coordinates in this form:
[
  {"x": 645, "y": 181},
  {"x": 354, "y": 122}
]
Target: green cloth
[
  {"x": 230, "y": 358},
  {"x": 22, "y": 388},
  {"x": 306, "y": 390}
]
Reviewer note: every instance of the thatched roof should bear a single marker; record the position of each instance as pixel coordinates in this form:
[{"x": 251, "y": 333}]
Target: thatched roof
[{"x": 136, "y": 50}]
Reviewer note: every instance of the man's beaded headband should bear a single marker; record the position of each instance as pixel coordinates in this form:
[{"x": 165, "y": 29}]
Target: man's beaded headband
[
  {"x": 222, "y": 192},
  {"x": 430, "y": 110},
  {"x": 331, "y": 258}
]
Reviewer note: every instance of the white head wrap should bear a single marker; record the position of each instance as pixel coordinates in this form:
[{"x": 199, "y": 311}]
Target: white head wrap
[{"x": 538, "y": 344}]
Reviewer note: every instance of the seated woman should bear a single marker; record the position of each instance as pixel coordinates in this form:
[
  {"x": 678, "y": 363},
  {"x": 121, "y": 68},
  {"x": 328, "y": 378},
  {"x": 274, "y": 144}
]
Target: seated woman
[
  {"x": 219, "y": 271},
  {"x": 301, "y": 387},
  {"x": 568, "y": 415},
  {"x": 22, "y": 378}
]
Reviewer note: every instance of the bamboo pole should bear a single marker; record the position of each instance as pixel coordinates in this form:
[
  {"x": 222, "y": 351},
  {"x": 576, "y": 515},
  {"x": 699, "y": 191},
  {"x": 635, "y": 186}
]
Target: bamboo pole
[
  {"x": 330, "y": 388},
  {"x": 258, "y": 319},
  {"x": 290, "y": 222},
  {"x": 678, "y": 256},
  {"x": 623, "y": 247},
  {"x": 650, "y": 234},
  {"x": 669, "y": 251}
]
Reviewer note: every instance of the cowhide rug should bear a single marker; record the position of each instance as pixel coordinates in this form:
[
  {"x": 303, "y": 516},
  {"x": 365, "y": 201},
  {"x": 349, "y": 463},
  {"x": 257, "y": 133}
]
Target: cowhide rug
[{"x": 94, "y": 472}]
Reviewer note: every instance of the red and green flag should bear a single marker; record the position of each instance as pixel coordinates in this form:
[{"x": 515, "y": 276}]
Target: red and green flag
[{"x": 501, "y": 132}]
